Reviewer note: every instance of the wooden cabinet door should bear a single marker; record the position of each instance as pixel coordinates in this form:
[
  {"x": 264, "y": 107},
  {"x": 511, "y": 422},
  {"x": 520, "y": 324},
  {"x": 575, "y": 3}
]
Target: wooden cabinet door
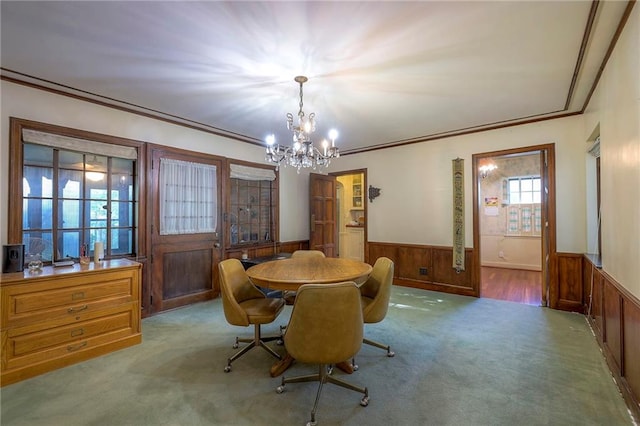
[{"x": 323, "y": 212}]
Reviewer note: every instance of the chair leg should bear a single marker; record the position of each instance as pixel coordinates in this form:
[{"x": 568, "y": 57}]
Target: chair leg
[
  {"x": 324, "y": 376},
  {"x": 390, "y": 353},
  {"x": 256, "y": 341}
]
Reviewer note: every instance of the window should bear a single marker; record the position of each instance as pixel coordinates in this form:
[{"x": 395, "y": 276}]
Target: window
[
  {"x": 72, "y": 198},
  {"x": 524, "y": 211},
  {"x": 188, "y": 197},
  {"x": 524, "y": 190},
  {"x": 252, "y": 205}
]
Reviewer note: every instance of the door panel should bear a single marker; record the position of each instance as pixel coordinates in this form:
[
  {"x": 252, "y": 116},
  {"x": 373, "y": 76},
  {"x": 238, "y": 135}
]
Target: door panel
[
  {"x": 322, "y": 208},
  {"x": 182, "y": 266}
]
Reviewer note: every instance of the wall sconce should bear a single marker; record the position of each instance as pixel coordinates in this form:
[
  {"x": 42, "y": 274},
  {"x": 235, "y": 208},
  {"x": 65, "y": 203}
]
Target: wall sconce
[
  {"x": 373, "y": 193},
  {"x": 486, "y": 169}
]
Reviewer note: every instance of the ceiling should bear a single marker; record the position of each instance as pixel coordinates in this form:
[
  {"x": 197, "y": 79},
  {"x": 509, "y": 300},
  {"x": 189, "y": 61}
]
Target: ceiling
[{"x": 382, "y": 73}]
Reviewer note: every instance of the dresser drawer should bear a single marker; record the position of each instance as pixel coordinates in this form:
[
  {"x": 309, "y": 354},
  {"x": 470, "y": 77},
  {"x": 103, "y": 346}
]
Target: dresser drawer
[
  {"x": 62, "y": 316},
  {"x": 28, "y": 345},
  {"x": 66, "y": 296}
]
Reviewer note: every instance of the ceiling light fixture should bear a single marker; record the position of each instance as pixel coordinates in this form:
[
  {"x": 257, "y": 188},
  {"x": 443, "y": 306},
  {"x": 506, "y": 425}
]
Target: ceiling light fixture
[{"x": 302, "y": 153}]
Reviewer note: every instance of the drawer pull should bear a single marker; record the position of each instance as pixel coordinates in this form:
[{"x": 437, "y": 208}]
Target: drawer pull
[
  {"x": 78, "y": 309},
  {"x": 72, "y": 348},
  {"x": 78, "y": 295},
  {"x": 78, "y": 332}
]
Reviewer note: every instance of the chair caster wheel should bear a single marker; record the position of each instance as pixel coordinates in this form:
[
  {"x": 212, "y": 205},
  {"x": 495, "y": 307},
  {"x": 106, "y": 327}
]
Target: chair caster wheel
[
  {"x": 312, "y": 423},
  {"x": 227, "y": 369},
  {"x": 279, "y": 342},
  {"x": 355, "y": 367},
  {"x": 235, "y": 346},
  {"x": 280, "y": 389},
  {"x": 364, "y": 401},
  {"x": 391, "y": 354}
]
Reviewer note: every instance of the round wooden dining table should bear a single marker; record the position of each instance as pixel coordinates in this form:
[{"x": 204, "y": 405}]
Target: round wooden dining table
[{"x": 289, "y": 274}]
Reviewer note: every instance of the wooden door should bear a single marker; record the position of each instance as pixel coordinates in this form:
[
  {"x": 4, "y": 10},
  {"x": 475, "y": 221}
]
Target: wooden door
[
  {"x": 323, "y": 211},
  {"x": 183, "y": 267}
]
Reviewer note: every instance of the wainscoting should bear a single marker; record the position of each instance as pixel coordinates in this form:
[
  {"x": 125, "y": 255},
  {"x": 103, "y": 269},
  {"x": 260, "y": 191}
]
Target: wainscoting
[
  {"x": 614, "y": 315},
  {"x": 426, "y": 267}
]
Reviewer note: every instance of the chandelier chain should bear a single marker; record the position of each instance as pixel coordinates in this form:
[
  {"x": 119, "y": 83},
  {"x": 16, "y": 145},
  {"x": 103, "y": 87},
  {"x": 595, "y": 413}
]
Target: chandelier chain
[{"x": 300, "y": 112}]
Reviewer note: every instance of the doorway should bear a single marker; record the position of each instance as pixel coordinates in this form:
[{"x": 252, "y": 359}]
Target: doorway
[
  {"x": 351, "y": 214},
  {"x": 514, "y": 223}
]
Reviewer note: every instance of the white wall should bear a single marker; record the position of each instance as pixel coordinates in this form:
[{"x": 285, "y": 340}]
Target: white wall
[
  {"x": 415, "y": 202},
  {"x": 615, "y": 107}
]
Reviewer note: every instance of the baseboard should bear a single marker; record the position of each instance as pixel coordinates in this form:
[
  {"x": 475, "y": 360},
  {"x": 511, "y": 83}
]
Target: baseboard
[{"x": 523, "y": 266}]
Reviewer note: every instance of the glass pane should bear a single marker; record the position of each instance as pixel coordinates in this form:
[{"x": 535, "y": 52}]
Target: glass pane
[
  {"x": 536, "y": 184},
  {"x": 121, "y": 214},
  {"x": 37, "y": 182},
  {"x": 70, "y": 160},
  {"x": 97, "y": 235},
  {"x": 514, "y": 198},
  {"x": 121, "y": 187},
  {"x": 95, "y": 163},
  {"x": 38, "y": 155},
  {"x": 527, "y": 184},
  {"x": 69, "y": 214},
  {"x": 96, "y": 190},
  {"x": 38, "y": 243},
  {"x": 536, "y": 197},
  {"x": 121, "y": 241},
  {"x": 70, "y": 244},
  {"x": 527, "y": 197},
  {"x": 70, "y": 184},
  {"x": 514, "y": 185},
  {"x": 96, "y": 214},
  {"x": 122, "y": 166},
  {"x": 37, "y": 214}
]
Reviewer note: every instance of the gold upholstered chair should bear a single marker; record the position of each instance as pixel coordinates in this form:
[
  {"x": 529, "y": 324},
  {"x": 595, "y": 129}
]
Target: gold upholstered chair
[
  {"x": 375, "y": 294},
  {"x": 290, "y": 296},
  {"x": 325, "y": 328},
  {"x": 244, "y": 304},
  {"x": 307, "y": 254}
]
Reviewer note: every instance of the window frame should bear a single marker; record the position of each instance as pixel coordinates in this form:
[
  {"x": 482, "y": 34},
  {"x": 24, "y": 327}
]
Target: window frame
[
  {"x": 16, "y": 165},
  {"x": 520, "y": 179}
]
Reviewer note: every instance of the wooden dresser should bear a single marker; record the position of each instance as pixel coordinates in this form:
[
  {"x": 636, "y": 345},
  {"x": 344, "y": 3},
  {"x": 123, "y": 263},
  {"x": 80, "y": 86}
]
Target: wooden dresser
[{"x": 65, "y": 315}]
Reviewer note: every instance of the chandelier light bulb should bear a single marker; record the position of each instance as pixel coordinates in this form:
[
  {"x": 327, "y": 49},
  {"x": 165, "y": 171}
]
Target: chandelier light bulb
[
  {"x": 333, "y": 135},
  {"x": 271, "y": 139}
]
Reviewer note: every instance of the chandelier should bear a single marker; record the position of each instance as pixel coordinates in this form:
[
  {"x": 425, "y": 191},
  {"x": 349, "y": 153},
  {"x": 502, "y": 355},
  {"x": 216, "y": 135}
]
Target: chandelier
[{"x": 302, "y": 154}]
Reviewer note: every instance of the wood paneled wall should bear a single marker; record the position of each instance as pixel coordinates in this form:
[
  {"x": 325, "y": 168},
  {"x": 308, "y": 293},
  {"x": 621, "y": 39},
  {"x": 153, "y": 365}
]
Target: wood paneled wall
[
  {"x": 614, "y": 315},
  {"x": 568, "y": 294},
  {"x": 426, "y": 267},
  {"x": 267, "y": 250}
]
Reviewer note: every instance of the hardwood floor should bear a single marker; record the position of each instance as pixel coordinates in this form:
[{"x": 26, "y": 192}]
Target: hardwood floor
[{"x": 515, "y": 285}]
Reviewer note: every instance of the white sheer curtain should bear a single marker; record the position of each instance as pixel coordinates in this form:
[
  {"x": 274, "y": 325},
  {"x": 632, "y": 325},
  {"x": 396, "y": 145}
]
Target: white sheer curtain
[{"x": 188, "y": 197}]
